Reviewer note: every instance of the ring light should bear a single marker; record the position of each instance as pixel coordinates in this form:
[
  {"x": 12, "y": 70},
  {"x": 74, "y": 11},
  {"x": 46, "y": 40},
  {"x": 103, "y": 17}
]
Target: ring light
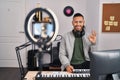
[{"x": 46, "y": 30}]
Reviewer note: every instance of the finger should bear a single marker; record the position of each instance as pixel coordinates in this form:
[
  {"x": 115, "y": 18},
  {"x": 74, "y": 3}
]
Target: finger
[
  {"x": 69, "y": 70},
  {"x": 94, "y": 33},
  {"x": 71, "y": 67}
]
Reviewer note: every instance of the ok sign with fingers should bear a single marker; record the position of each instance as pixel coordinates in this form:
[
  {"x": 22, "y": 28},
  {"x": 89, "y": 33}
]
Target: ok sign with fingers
[{"x": 92, "y": 37}]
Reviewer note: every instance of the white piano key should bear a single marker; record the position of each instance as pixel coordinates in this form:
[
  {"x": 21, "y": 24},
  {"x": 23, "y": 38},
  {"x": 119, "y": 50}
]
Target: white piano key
[{"x": 69, "y": 75}]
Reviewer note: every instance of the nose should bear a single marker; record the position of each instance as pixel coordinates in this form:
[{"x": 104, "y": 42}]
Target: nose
[{"x": 78, "y": 23}]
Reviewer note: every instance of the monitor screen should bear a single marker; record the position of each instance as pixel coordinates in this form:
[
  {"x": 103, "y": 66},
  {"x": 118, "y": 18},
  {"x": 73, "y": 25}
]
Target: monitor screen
[
  {"x": 37, "y": 28},
  {"x": 105, "y": 62},
  {"x": 49, "y": 29}
]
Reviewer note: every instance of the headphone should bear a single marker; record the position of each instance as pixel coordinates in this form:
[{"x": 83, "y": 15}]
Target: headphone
[{"x": 79, "y": 34}]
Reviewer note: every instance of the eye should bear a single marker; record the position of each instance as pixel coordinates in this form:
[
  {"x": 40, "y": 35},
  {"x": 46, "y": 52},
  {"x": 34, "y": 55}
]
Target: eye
[{"x": 80, "y": 21}]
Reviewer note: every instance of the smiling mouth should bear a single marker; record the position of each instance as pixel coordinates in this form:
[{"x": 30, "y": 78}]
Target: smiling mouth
[{"x": 78, "y": 27}]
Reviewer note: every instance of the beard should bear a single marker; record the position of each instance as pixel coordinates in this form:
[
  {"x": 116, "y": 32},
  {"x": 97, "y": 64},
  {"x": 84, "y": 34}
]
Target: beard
[{"x": 78, "y": 28}]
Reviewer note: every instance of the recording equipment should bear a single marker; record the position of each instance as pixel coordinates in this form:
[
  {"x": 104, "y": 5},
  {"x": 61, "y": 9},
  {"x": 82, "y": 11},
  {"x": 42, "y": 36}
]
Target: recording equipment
[
  {"x": 31, "y": 60},
  {"x": 37, "y": 29},
  {"x": 44, "y": 30},
  {"x": 63, "y": 75},
  {"x": 41, "y": 28}
]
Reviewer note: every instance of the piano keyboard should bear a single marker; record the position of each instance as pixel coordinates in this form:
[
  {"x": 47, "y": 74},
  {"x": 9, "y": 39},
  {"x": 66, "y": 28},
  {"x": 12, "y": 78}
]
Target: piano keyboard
[
  {"x": 62, "y": 75},
  {"x": 81, "y": 71}
]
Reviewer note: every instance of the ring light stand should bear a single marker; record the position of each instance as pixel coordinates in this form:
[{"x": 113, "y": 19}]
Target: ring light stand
[{"x": 44, "y": 39}]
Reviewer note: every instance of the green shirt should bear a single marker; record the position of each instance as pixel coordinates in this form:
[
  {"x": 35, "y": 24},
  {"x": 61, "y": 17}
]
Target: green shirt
[{"x": 78, "y": 53}]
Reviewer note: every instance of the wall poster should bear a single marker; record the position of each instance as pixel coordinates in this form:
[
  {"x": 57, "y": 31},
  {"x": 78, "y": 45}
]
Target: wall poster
[{"x": 111, "y": 17}]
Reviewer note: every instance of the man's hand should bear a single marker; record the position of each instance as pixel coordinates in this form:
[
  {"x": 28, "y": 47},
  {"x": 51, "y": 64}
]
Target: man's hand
[
  {"x": 69, "y": 68},
  {"x": 92, "y": 37}
]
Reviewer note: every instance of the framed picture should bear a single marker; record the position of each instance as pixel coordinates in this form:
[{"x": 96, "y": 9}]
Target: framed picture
[{"x": 111, "y": 17}]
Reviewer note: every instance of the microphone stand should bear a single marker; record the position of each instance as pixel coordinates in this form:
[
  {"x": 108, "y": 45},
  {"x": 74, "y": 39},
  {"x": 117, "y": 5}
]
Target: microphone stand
[
  {"x": 38, "y": 55},
  {"x": 18, "y": 48}
]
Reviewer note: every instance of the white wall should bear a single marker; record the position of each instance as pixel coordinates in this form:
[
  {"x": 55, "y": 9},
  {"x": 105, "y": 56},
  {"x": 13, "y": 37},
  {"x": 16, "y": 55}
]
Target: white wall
[
  {"x": 93, "y": 17},
  {"x": 107, "y": 40},
  {"x": 11, "y": 31}
]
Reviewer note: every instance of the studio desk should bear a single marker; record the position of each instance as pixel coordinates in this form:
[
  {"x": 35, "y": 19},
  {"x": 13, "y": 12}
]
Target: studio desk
[{"x": 82, "y": 74}]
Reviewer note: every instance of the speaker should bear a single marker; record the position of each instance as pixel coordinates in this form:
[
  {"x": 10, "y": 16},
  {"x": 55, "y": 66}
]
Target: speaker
[
  {"x": 31, "y": 61},
  {"x": 55, "y": 56}
]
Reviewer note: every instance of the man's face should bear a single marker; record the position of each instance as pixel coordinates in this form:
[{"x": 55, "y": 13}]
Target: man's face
[{"x": 78, "y": 23}]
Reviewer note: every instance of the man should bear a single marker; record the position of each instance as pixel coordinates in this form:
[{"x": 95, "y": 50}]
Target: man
[{"x": 75, "y": 46}]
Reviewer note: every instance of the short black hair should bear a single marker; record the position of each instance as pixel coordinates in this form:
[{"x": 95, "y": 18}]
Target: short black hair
[{"x": 78, "y": 14}]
